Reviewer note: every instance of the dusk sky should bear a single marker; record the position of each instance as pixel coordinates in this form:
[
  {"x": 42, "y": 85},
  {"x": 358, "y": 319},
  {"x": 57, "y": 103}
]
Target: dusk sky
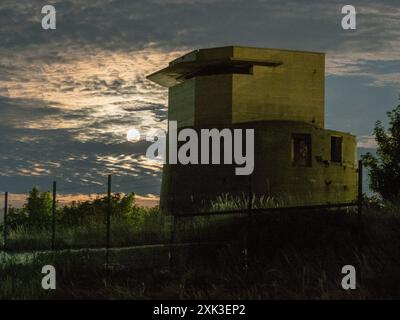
[{"x": 68, "y": 96}]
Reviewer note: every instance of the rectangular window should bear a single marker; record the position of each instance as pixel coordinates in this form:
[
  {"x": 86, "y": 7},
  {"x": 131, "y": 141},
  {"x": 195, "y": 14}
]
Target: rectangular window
[
  {"x": 301, "y": 152},
  {"x": 336, "y": 149}
]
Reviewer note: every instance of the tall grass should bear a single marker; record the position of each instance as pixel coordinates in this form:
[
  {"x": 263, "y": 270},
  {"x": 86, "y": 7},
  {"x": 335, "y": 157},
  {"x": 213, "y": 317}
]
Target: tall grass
[
  {"x": 145, "y": 228},
  {"x": 227, "y": 202}
]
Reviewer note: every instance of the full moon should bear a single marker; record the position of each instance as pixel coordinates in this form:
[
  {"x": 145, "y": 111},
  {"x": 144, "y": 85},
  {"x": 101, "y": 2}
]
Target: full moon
[{"x": 133, "y": 135}]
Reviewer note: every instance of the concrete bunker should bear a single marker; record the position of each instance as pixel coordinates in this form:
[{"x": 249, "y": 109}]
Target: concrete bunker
[{"x": 278, "y": 93}]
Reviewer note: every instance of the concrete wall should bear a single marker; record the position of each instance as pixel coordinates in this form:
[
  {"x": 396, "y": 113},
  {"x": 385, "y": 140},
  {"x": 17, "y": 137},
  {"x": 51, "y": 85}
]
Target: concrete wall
[
  {"x": 181, "y": 102},
  {"x": 293, "y": 90},
  {"x": 322, "y": 182},
  {"x": 202, "y": 101},
  {"x": 283, "y": 95},
  {"x": 213, "y": 106},
  {"x": 187, "y": 188}
]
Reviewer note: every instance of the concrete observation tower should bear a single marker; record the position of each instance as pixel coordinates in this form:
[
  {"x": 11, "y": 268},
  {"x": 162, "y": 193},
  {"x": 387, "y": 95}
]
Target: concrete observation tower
[{"x": 279, "y": 94}]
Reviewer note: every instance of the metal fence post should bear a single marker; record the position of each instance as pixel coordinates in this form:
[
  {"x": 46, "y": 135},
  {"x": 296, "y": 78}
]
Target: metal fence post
[
  {"x": 248, "y": 231},
  {"x": 360, "y": 191},
  {"x": 108, "y": 222},
  {"x": 172, "y": 243},
  {"x": 5, "y": 220},
  {"x": 53, "y": 217}
]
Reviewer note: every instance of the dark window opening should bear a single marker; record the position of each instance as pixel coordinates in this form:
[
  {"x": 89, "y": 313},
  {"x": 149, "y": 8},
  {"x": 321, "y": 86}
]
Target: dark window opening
[
  {"x": 301, "y": 153},
  {"x": 223, "y": 68},
  {"x": 336, "y": 149}
]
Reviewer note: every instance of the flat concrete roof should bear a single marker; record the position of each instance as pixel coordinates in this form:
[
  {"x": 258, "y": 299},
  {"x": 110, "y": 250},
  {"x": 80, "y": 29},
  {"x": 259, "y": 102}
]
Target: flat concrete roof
[{"x": 195, "y": 61}]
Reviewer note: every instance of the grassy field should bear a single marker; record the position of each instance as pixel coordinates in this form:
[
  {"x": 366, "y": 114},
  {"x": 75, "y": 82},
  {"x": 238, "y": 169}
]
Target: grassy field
[
  {"x": 290, "y": 256},
  {"x": 91, "y": 234},
  {"x": 81, "y": 224}
]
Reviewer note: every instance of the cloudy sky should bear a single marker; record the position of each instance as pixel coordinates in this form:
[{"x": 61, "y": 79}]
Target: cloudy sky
[{"x": 68, "y": 96}]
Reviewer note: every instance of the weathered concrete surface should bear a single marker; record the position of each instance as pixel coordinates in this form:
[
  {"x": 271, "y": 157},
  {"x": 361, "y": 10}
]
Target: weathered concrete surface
[{"x": 279, "y": 93}]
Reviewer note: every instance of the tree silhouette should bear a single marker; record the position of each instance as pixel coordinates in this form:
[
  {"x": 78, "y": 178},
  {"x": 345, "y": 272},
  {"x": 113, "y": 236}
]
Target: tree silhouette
[
  {"x": 38, "y": 207},
  {"x": 385, "y": 167}
]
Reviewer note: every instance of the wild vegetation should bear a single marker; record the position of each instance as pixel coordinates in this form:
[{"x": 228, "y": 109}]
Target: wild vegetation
[
  {"x": 292, "y": 256},
  {"x": 81, "y": 224},
  {"x": 385, "y": 167}
]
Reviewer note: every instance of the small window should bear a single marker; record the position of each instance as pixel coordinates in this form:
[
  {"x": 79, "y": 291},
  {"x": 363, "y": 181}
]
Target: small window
[
  {"x": 336, "y": 149},
  {"x": 301, "y": 153}
]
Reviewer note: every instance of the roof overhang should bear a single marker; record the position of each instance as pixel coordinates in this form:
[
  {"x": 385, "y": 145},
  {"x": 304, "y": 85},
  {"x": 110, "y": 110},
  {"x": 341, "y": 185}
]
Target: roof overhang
[{"x": 178, "y": 72}]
